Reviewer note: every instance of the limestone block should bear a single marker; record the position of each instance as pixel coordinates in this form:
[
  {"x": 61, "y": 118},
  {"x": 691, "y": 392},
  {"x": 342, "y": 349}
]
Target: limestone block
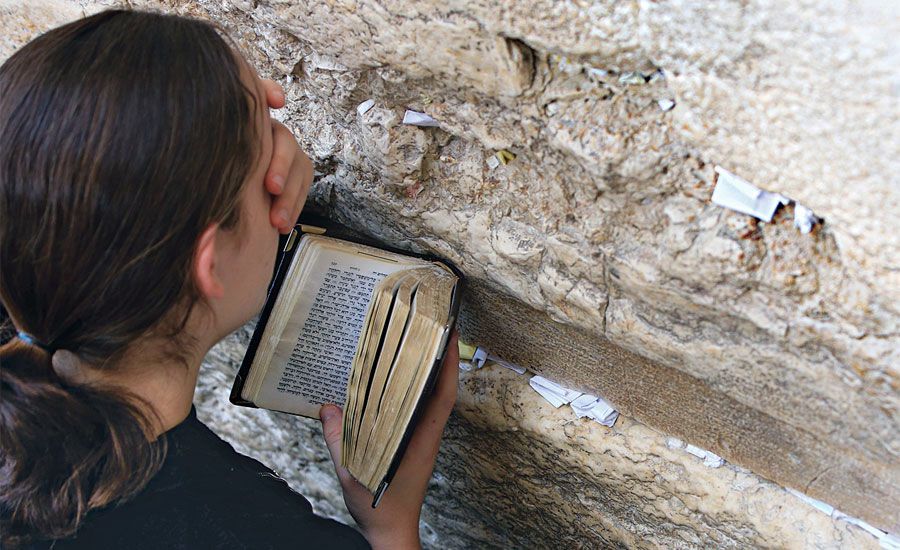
[
  {"x": 547, "y": 479},
  {"x": 23, "y": 21},
  {"x": 792, "y": 327},
  {"x": 682, "y": 406}
]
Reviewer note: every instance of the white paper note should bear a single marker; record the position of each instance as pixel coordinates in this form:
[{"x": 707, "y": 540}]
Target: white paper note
[
  {"x": 552, "y": 392},
  {"x": 591, "y": 406},
  {"x": 507, "y": 364},
  {"x": 479, "y": 357},
  {"x": 804, "y": 219},
  {"x": 709, "y": 458},
  {"x": 364, "y": 107},
  {"x": 666, "y": 104},
  {"x": 742, "y": 196},
  {"x": 817, "y": 504},
  {"x": 416, "y": 118},
  {"x": 885, "y": 540}
]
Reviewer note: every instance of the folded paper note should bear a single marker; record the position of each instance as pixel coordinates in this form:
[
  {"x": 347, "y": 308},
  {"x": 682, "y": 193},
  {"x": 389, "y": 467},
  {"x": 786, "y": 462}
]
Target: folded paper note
[
  {"x": 505, "y": 156},
  {"x": 885, "y": 540},
  {"x": 632, "y": 78},
  {"x": 709, "y": 458},
  {"x": 804, "y": 219},
  {"x": 506, "y": 364},
  {"x": 552, "y": 392},
  {"x": 479, "y": 357},
  {"x": 738, "y": 194},
  {"x": 584, "y": 404},
  {"x": 817, "y": 504},
  {"x": 466, "y": 351},
  {"x": 472, "y": 357},
  {"x": 466, "y": 366},
  {"x": 416, "y": 118},
  {"x": 364, "y": 107},
  {"x": 595, "y": 408},
  {"x": 666, "y": 104}
]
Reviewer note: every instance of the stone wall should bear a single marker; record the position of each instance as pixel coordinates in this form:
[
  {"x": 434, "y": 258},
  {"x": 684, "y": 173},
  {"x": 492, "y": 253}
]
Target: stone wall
[
  {"x": 513, "y": 472},
  {"x": 596, "y": 257}
]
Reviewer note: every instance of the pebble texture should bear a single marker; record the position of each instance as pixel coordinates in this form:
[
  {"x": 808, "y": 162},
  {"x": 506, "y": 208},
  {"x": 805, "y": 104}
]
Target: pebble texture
[{"x": 602, "y": 224}]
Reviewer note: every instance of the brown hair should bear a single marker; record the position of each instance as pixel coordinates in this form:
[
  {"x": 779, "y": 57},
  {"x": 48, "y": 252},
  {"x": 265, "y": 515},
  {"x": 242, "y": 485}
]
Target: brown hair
[{"x": 122, "y": 137}]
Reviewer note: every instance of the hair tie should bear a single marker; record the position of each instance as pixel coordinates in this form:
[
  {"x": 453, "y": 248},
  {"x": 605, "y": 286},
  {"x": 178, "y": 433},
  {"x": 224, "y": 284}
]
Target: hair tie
[{"x": 29, "y": 339}]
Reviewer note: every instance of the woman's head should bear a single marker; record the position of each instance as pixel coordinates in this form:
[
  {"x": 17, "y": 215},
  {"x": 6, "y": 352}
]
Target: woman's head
[
  {"x": 126, "y": 139},
  {"x": 122, "y": 137}
]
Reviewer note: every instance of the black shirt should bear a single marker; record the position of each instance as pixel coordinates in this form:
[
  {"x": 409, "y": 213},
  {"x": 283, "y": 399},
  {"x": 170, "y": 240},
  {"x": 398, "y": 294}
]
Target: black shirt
[{"x": 207, "y": 495}]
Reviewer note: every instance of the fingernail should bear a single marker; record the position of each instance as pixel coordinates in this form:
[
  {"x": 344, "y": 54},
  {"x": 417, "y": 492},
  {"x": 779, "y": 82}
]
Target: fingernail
[
  {"x": 327, "y": 412},
  {"x": 283, "y": 216},
  {"x": 279, "y": 181}
]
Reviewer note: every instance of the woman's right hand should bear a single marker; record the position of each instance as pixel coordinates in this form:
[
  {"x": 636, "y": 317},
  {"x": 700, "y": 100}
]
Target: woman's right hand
[
  {"x": 395, "y": 523},
  {"x": 290, "y": 171}
]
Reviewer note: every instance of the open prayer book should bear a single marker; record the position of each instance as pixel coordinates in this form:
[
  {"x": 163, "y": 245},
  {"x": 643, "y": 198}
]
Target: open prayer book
[{"x": 357, "y": 326}]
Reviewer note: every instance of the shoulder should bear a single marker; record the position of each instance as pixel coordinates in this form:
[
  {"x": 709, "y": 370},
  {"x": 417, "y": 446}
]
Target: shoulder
[{"x": 209, "y": 495}]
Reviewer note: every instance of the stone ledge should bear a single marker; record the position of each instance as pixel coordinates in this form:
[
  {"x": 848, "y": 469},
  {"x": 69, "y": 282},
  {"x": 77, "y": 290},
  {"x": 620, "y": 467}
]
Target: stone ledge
[
  {"x": 678, "y": 404},
  {"x": 548, "y": 479}
]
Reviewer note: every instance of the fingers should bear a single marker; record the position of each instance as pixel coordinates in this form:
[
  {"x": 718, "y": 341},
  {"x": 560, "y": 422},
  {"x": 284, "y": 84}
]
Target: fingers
[
  {"x": 332, "y": 428},
  {"x": 427, "y": 437},
  {"x": 274, "y": 93},
  {"x": 284, "y": 149},
  {"x": 288, "y": 178},
  {"x": 448, "y": 381}
]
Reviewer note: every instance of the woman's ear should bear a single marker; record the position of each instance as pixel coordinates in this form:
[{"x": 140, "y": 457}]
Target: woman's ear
[{"x": 208, "y": 281}]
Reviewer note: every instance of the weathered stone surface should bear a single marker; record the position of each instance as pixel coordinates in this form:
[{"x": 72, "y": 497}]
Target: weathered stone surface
[
  {"x": 23, "y": 21},
  {"x": 514, "y": 472},
  {"x": 547, "y": 479},
  {"x": 603, "y": 221},
  {"x": 682, "y": 406},
  {"x": 611, "y": 193}
]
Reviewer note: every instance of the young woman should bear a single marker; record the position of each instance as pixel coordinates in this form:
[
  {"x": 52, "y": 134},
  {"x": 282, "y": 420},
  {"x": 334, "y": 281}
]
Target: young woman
[{"x": 143, "y": 186}]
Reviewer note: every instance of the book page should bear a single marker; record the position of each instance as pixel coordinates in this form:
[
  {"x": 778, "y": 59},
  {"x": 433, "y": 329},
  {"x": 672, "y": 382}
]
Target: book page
[
  {"x": 403, "y": 389},
  {"x": 316, "y": 368},
  {"x": 367, "y": 351},
  {"x": 398, "y": 375},
  {"x": 393, "y": 333},
  {"x": 312, "y": 359}
]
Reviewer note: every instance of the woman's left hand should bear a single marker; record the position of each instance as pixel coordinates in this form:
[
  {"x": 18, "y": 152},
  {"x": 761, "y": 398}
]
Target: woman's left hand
[
  {"x": 290, "y": 172},
  {"x": 395, "y": 523}
]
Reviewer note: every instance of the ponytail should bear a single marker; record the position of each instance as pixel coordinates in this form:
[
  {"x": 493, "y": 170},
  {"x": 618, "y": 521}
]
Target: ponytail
[
  {"x": 123, "y": 136},
  {"x": 67, "y": 448}
]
